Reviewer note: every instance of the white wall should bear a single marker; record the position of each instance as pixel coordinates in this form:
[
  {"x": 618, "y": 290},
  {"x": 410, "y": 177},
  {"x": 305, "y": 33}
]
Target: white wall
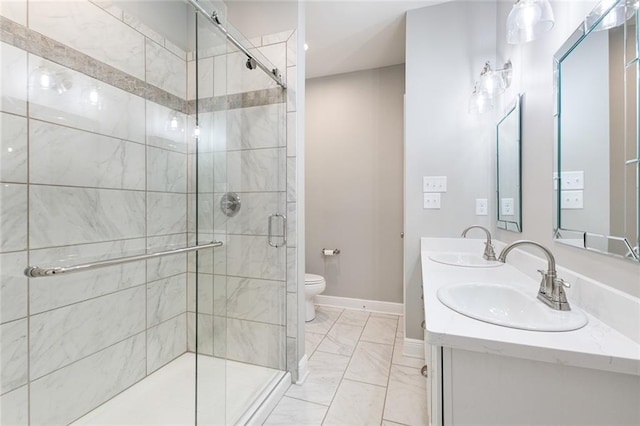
[
  {"x": 447, "y": 45},
  {"x": 296, "y": 126},
  {"x": 585, "y": 143},
  {"x": 353, "y": 181},
  {"x": 533, "y": 74}
]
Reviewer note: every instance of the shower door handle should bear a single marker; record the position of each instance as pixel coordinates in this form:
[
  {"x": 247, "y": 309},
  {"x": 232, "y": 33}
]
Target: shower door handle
[{"x": 284, "y": 230}]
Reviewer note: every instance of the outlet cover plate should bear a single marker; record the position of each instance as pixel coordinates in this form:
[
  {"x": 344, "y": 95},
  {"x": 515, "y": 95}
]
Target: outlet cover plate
[
  {"x": 572, "y": 200},
  {"x": 506, "y": 207},
  {"x": 432, "y": 200},
  {"x": 482, "y": 207},
  {"x": 572, "y": 180}
]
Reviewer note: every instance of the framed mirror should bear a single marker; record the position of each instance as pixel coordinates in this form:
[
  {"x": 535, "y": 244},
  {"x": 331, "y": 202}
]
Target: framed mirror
[
  {"x": 509, "y": 185},
  {"x": 596, "y": 194}
]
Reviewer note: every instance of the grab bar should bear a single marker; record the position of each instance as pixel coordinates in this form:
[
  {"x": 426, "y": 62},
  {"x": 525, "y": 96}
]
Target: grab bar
[{"x": 37, "y": 271}]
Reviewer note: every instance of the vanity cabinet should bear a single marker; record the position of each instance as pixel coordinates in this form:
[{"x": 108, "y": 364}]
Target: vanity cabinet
[
  {"x": 433, "y": 360},
  {"x": 485, "y": 374},
  {"x": 473, "y": 388}
]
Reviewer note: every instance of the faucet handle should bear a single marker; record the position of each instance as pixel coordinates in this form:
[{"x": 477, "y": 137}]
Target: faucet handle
[{"x": 563, "y": 283}]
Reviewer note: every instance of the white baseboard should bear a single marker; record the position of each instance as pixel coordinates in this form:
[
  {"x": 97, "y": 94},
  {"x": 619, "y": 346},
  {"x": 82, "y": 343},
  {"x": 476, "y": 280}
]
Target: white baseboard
[
  {"x": 303, "y": 370},
  {"x": 258, "y": 415},
  {"x": 361, "y": 304},
  {"x": 413, "y": 347}
]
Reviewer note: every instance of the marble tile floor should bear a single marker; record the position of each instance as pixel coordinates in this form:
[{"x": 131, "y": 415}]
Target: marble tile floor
[
  {"x": 358, "y": 374},
  {"x": 226, "y": 389}
]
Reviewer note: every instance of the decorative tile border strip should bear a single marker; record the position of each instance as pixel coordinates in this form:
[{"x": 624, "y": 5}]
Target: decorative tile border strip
[
  {"x": 275, "y": 95},
  {"x": 47, "y": 48}
]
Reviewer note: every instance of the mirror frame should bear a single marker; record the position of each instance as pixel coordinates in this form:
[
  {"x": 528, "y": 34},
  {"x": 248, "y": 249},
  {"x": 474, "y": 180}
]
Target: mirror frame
[
  {"x": 514, "y": 108},
  {"x": 572, "y": 237}
]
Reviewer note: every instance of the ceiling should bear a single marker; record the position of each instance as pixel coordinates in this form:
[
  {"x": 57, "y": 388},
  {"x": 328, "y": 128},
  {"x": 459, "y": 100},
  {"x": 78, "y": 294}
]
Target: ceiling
[{"x": 343, "y": 36}]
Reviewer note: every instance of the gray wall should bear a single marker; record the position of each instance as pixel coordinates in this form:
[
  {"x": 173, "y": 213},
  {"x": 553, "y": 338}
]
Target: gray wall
[
  {"x": 446, "y": 48},
  {"x": 354, "y": 170}
]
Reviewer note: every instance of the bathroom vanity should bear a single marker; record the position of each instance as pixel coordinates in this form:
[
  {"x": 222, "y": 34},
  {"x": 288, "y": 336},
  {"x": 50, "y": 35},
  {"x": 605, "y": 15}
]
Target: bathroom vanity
[{"x": 483, "y": 373}]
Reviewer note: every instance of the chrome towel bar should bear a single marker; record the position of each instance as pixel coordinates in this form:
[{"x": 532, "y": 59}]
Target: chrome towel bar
[{"x": 37, "y": 271}]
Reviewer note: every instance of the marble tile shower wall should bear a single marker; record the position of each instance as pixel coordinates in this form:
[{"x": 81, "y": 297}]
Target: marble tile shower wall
[
  {"x": 247, "y": 309},
  {"x": 88, "y": 171}
]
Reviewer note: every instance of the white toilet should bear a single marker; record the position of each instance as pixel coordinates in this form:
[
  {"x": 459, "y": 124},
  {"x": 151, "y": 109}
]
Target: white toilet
[{"x": 313, "y": 285}]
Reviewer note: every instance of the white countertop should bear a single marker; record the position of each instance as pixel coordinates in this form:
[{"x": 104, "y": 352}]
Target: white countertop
[{"x": 597, "y": 345}]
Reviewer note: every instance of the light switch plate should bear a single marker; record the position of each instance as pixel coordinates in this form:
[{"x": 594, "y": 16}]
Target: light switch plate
[
  {"x": 432, "y": 200},
  {"x": 481, "y": 207},
  {"x": 507, "y": 207},
  {"x": 434, "y": 184},
  {"x": 572, "y": 200}
]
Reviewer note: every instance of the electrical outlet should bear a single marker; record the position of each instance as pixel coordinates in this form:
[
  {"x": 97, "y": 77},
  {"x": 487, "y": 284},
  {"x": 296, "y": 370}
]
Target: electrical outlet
[
  {"x": 571, "y": 200},
  {"x": 572, "y": 180},
  {"x": 432, "y": 200},
  {"x": 507, "y": 207},
  {"x": 481, "y": 207},
  {"x": 434, "y": 184}
]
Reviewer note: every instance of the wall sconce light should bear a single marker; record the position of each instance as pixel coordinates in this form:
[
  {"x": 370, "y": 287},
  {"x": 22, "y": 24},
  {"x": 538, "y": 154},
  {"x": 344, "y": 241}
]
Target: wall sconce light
[
  {"x": 615, "y": 15},
  {"x": 495, "y": 82},
  {"x": 491, "y": 84},
  {"x": 528, "y": 20}
]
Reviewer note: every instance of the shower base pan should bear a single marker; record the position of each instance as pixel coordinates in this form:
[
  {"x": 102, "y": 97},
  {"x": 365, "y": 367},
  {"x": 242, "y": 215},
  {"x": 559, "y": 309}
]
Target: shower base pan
[{"x": 228, "y": 393}]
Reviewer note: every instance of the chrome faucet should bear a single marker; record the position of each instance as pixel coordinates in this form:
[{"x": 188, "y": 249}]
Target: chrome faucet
[
  {"x": 551, "y": 288},
  {"x": 489, "y": 253}
]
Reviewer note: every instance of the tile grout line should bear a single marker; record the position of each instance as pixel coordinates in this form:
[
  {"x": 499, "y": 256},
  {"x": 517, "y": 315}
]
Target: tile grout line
[
  {"x": 343, "y": 378},
  {"x": 386, "y": 393},
  {"x": 28, "y": 245},
  {"x": 94, "y": 353},
  {"x": 348, "y": 364}
]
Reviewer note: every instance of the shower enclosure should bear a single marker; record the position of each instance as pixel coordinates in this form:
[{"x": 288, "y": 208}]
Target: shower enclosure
[{"x": 145, "y": 175}]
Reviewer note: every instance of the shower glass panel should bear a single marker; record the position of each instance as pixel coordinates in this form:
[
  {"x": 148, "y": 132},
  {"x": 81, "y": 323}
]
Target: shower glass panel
[
  {"x": 240, "y": 307},
  {"x": 94, "y": 166},
  {"x": 122, "y": 142}
]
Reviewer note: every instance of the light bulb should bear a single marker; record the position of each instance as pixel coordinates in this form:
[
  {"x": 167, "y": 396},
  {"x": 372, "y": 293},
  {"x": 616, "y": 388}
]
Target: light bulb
[
  {"x": 489, "y": 83},
  {"x": 528, "y": 20},
  {"x": 608, "y": 21},
  {"x": 174, "y": 123},
  {"x": 480, "y": 101},
  {"x": 93, "y": 97},
  {"x": 45, "y": 81},
  {"x": 617, "y": 13},
  {"x": 306, "y": 47},
  {"x": 529, "y": 16},
  {"x": 9, "y": 149}
]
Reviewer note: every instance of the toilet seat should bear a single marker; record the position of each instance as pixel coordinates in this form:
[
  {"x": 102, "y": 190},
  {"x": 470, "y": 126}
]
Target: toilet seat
[{"x": 311, "y": 279}]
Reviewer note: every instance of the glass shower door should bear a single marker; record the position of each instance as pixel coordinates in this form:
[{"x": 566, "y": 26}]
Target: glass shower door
[{"x": 239, "y": 290}]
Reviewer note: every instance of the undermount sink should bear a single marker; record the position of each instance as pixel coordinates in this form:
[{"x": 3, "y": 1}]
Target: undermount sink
[
  {"x": 507, "y": 306},
  {"x": 464, "y": 259}
]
